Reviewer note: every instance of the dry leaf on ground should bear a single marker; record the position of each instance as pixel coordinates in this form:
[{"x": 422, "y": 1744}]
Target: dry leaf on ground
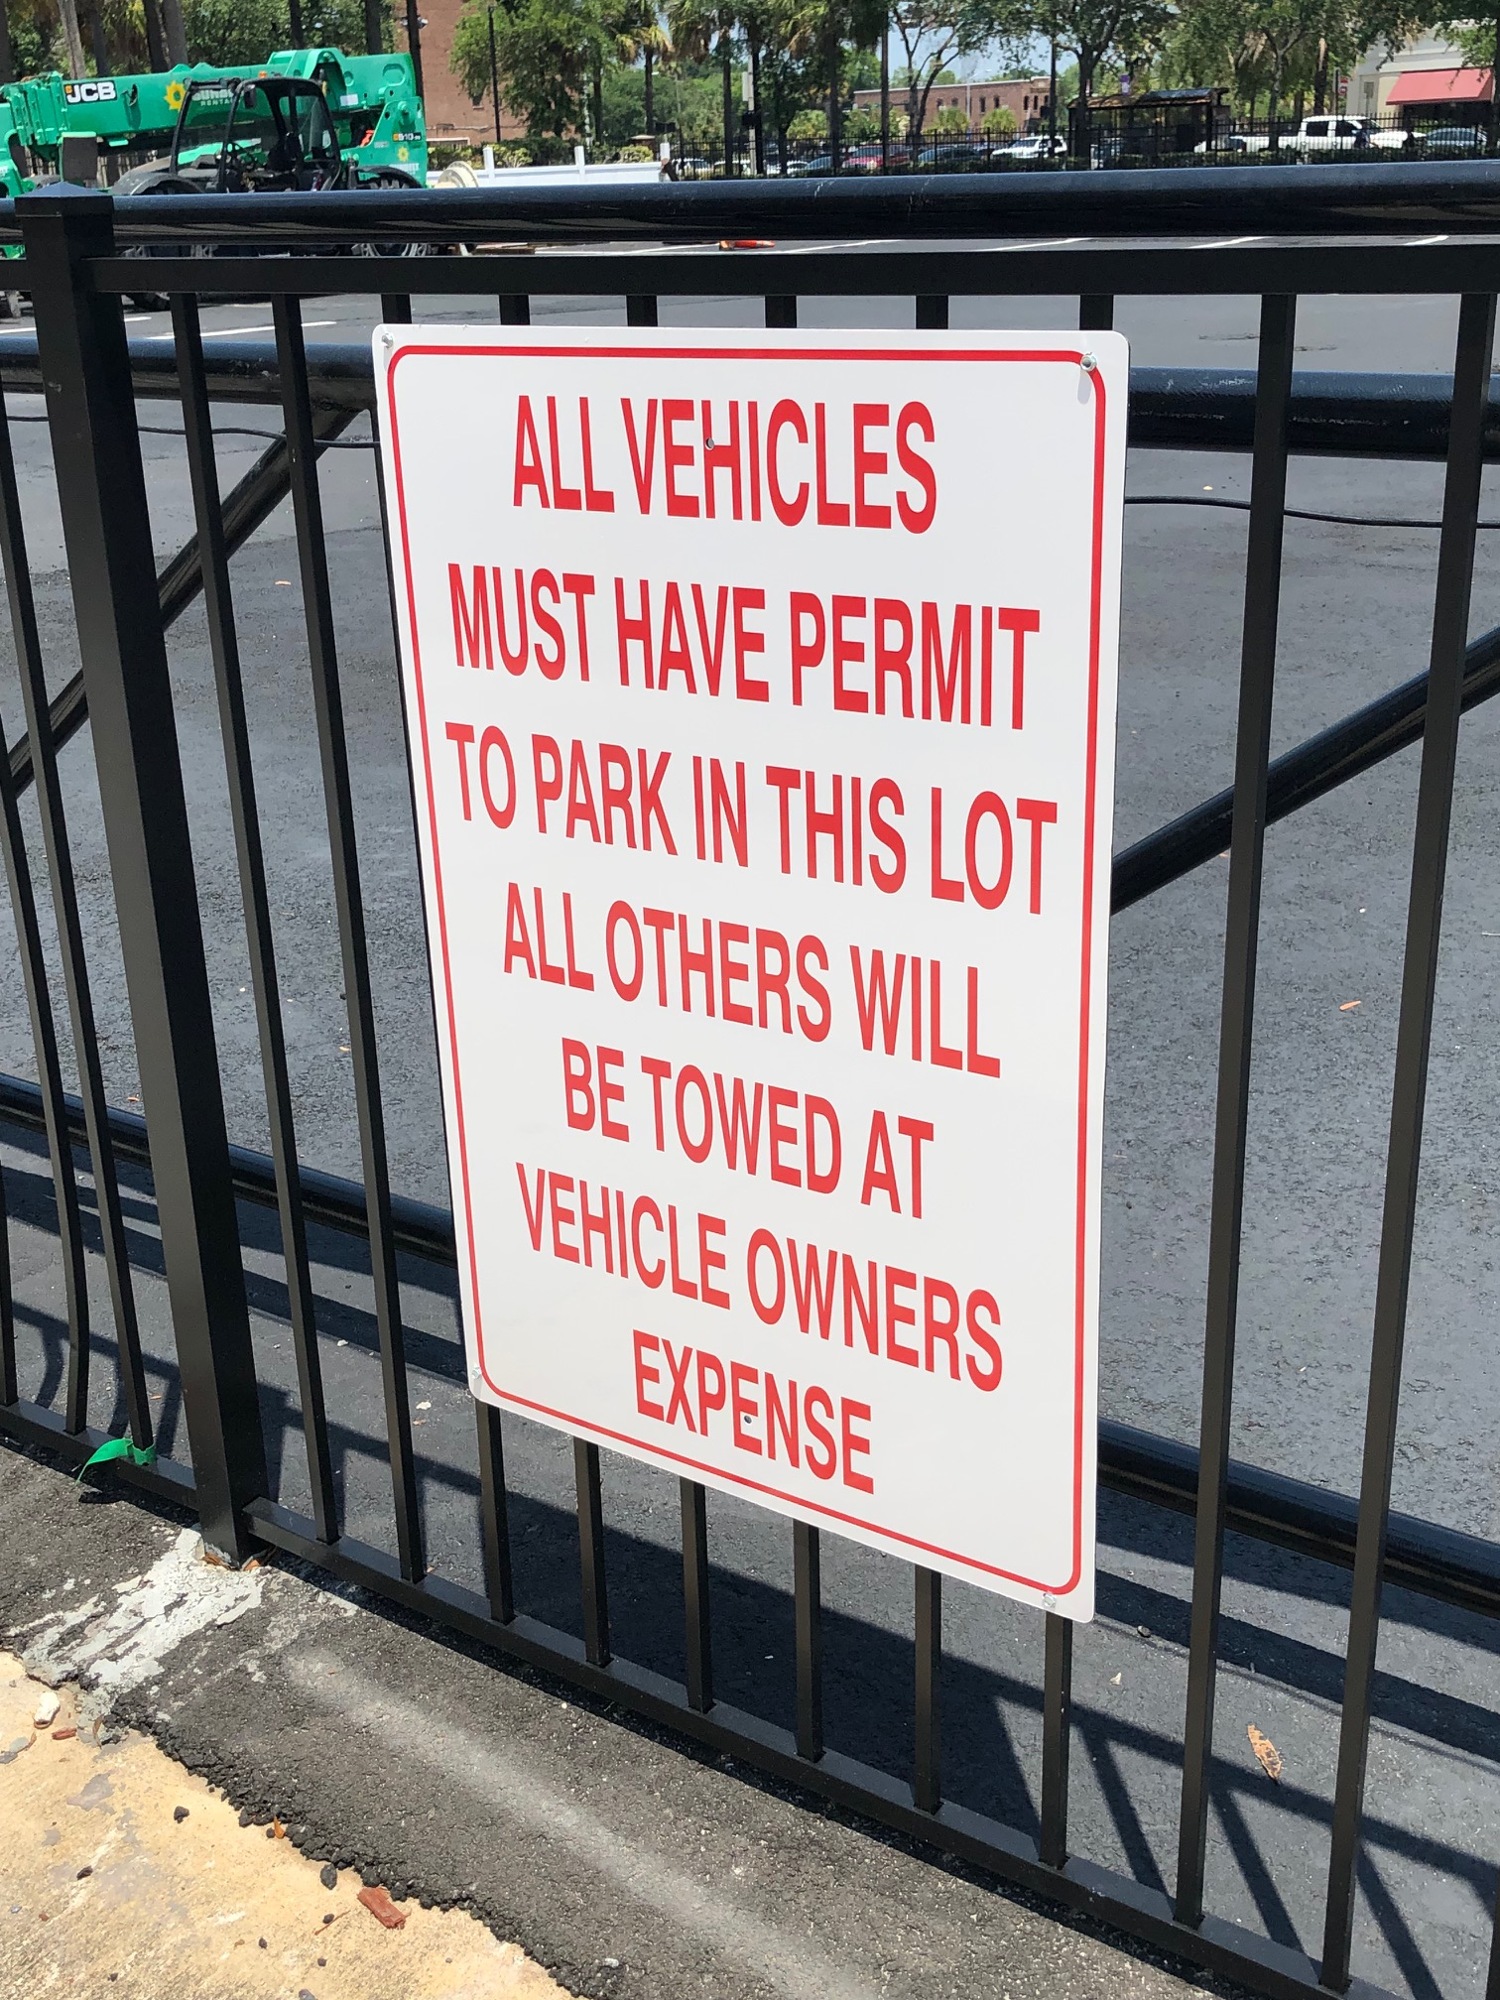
[{"x": 1267, "y": 1755}]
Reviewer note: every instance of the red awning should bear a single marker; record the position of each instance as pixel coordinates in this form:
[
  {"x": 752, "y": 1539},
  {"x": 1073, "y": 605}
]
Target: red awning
[{"x": 1443, "y": 86}]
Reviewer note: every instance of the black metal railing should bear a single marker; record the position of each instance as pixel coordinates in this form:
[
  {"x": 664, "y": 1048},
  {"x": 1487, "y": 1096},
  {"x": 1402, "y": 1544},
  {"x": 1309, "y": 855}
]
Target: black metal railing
[{"x": 1188, "y": 234}]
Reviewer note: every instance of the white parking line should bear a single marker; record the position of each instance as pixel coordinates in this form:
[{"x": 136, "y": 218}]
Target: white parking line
[
  {"x": 1231, "y": 242},
  {"x": 1419, "y": 242},
  {"x": 229, "y": 332},
  {"x": 1043, "y": 243},
  {"x": 854, "y": 243}
]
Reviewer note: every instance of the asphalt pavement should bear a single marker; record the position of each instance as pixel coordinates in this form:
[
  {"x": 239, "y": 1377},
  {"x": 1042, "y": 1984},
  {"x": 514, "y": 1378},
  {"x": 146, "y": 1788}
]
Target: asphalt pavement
[{"x": 1356, "y": 610}]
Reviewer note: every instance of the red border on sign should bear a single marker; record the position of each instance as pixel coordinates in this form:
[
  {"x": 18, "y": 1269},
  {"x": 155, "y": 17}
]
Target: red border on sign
[{"x": 540, "y": 350}]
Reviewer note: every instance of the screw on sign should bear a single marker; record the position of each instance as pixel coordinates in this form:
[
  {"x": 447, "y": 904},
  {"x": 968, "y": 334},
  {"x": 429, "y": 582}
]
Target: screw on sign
[{"x": 763, "y": 744}]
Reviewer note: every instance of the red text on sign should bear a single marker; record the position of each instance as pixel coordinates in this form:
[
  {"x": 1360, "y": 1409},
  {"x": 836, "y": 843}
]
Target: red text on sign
[
  {"x": 753, "y": 1410},
  {"x": 817, "y": 464}
]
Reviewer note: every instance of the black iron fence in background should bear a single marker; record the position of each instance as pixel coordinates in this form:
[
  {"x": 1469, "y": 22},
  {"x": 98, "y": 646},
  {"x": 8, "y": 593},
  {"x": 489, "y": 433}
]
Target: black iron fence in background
[
  {"x": 78, "y": 275},
  {"x": 1160, "y": 129}
]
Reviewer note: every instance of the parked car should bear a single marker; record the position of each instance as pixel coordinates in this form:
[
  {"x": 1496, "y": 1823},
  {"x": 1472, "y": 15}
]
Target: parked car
[
  {"x": 861, "y": 159},
  {"x": 1034, "y": 146},
  {"x": 956, "y": 155},
  {"x": 1452, "y": 139},
  {"x": 1316, "y": 136}
]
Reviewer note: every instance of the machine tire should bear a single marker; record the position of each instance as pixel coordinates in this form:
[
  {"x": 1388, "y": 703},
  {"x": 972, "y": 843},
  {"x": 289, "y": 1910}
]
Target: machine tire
[
  {"x": 387, "y": 177},
  {"x": 152, "y": 177}
]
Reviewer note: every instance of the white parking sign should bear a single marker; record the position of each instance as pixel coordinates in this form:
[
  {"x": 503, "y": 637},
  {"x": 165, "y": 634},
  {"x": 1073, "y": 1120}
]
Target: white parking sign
[{"x": 761, "y": 705}]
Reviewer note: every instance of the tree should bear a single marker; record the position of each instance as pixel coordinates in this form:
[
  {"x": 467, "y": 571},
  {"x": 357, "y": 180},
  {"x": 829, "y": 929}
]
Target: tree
[
  {"x": 827, "y": 31},
  {"x": 72, "y": 38},
  {"x": 999, "y": 122},
  {"x": 641, "y": 37},
  {"x": 933, "y": 34},
  {"x": 1277, "y": 46},
  {"x": 549, "y": 53},
  {"x": 245, "y": 31},
  {"x": 1093, "y": 30},
  {"x": 702, "y": 29}
]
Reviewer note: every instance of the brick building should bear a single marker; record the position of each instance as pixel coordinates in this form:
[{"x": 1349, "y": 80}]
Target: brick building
[
  {"x": 1024, "y": 97},
  {"x": 451, "y": 113}
]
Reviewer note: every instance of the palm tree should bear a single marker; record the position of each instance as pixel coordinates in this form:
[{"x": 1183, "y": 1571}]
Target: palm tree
[
  {"x": 700, "y": 30},
  {"x": 830, "y": 26},
  {"x": 640, "y": 33}
]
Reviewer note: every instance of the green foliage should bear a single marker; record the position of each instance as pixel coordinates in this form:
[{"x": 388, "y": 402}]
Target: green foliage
[
  {"x": 572, "y": 65},
  {"x": 1475, "y": 39},
  {"x": 1273, "y": 48},
  {"x": 999, "y": 122},
  {"x": 247, "y": 31},
  {"x": 34, "y": 44},
  {"x": 1094, "y": 30},
  {"x": 949, "y": 119},
  {"x": 690, "y": 98},
  {"x": 548, "y": 53},
  {"x": 624, "y": 98}
]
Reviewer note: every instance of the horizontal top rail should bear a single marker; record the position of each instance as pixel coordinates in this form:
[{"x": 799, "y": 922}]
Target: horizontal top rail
[
  {"x": 1187, "y": 269},
  {"x": 1459, "y": 197},
  {"x": 1332, "y": 414}
]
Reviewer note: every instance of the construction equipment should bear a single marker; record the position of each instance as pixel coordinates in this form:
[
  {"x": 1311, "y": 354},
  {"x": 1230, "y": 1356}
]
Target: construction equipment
[{"x": 371, "y": 111}]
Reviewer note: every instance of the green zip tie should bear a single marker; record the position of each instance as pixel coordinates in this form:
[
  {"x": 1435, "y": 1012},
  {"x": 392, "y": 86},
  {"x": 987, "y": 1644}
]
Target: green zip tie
[{"x": 138, "y": 1454}]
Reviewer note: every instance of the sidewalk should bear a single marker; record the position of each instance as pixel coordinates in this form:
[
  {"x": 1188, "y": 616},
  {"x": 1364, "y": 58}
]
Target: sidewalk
[
  {"x": 627, "y": 1867},
  {"x": 125, "y": 1874}
]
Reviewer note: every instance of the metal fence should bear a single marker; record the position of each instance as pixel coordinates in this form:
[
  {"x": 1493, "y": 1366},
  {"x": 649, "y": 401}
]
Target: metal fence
[
  {"x": 78, "y": 270},
  {"x": 1157, "y": 130}
]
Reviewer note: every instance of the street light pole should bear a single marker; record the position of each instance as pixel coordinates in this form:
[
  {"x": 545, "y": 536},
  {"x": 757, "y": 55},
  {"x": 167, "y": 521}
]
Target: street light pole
[
  {"x": 494, "y": 77},
  {"x": 1052, "y": 100},
  {"x": 414, "y": 27},
  {"x": 885, "y": 95}
]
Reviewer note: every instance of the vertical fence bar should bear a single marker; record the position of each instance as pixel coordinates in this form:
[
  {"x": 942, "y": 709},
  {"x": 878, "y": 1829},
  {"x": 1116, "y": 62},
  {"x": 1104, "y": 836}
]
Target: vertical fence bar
[
  {"x": 1450, "y": 624},
  {"x": 591, "y": 1552},
  {"x": 932, "y": 312},
  {"x": 927, "y": 1775},
  {"x": 494, "y": 1514},
  {"x": 700, "y": 1665},
  {"x": 640, "y": 310},
  {"x": 307, "y": 509},
  {"x": 807, "y": 1596},
  {"x": 107, "y": 532},
  {"x": 395, "y": 308},
  {"x": 781, "y": 310},
  {"x": 1096, "y": 313},
  {"x": 1278, "y": 316},
  {"x": 239, "y": 768},
  {"x": 70, "y": 943},
  {"x": 1057, "y": 1737},
  {"x": 10, "y": 1388},
  {"x": 59, "y": 1145},
  {"x": 515, "y": 309}
]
